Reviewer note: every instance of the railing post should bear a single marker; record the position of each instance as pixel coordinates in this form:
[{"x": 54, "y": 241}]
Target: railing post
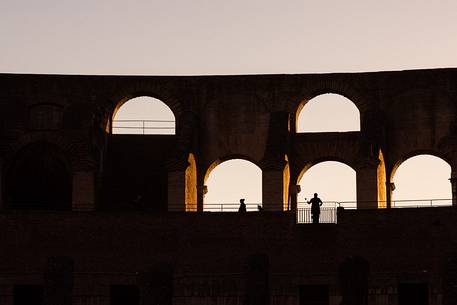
[{"x": 453, "y": 181}]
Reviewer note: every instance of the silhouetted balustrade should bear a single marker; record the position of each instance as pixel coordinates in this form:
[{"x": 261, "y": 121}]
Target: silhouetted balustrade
[
  {"x": 327, "y": 215},
  {"x": 216, "y": 207}
]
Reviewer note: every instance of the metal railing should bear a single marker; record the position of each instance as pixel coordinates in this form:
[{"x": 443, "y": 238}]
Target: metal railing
[
  {"x": 216, "y": 207},
  {"x": 327, "y": 215},
  {"x": 143, "y": 127},
  {"x": 328, "y": 210},
  {"x": 230, "y": 207},
  {"x": 403, "y": 203},
  {"x": 326, "y": 206},
  {"x": 421, "y": 203}
]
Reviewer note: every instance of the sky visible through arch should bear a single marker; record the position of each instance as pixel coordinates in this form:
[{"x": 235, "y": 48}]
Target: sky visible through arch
[{"x": 200, "y": 37}]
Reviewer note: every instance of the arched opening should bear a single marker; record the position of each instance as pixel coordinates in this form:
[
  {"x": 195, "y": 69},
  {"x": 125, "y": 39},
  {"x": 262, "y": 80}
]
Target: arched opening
[
  {"x": 328, "y": 113},
  {"x": 39, "y": 179},
  {"x": 421, "y": 181},
  {"x": 144, "y": 115},
  {"x": 334, "y": 182},
  {"x": 228, "y": 182}
]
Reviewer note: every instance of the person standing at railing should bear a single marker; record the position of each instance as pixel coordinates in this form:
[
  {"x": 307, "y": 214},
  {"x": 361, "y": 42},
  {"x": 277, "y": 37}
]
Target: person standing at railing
[
  {"x": 316, "y": 203},
  {"x": 242, "y": 208}
]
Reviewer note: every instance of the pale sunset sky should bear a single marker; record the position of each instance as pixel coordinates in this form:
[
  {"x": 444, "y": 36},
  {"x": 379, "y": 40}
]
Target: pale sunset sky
[{"x": 206, "y": 37}]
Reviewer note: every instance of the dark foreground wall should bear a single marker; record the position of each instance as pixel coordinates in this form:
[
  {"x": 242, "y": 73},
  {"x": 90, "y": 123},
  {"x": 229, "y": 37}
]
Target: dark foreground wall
[
  {"x": 214, "y": 258},
  {"x": 88, "y": 217}
]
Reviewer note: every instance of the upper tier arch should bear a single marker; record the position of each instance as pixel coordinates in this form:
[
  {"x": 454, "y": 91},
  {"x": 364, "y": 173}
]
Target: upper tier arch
[
  {"x": 143, "y": 115},
  {"x": 313, "y": 115}
]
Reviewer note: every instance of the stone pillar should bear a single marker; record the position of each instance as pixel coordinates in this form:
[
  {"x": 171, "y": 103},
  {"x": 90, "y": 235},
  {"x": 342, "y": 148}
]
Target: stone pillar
[
  {"x": 83, "y": 197},
  {"x": 293, "y": 194},
  {"x": 182, "y": 185},
  {"x": 177, "y": 191},
  {"x": 59, "y": 281},
  {"x": 367, "y": 187},
  {"x": 201, "y": 192},
  {"x": 273, "y": 188},
  {"x": 275, "y": 171}
]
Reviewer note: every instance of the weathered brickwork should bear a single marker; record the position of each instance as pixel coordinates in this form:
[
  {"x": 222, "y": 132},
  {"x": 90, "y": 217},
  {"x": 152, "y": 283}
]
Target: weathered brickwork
[{"x": 118, "y": 215}]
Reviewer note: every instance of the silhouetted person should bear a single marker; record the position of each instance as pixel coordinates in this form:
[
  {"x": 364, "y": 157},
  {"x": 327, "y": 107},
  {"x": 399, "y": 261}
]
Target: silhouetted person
[
  {"x": 242, "y": 208},
  {"x": 316, "y": 203}
]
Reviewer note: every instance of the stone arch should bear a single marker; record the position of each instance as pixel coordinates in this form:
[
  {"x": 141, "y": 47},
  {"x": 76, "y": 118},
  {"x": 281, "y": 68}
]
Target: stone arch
[
  {"x": 349, "y": 202},
  {"x": 232, "y": 206},
  {"x": 124, "y": 96},
  {"x": 322, "y": 84},
  {"x": 216, "y": 162},
  {"x": 39, "y": 177},
  {"x": 310, "y": 164},
  {"x": 304, "y": 102},
  {"x": 417, "y": 153},
  {"x": 139, "y": 123}
]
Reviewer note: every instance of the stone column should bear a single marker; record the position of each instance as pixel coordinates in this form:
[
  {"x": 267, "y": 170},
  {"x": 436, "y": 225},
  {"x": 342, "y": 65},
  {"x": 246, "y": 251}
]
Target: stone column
[
  {"x": 177, "y": 191},
  {"x": 273, "y": 188},
  {"x": 180, "y": 171},
  {"x": 83, "y": 197},
  {"x": 294, "y": 189},
  {"x": 367, "y": 187},
  {"x": 275, "y": 172},
  {"x": 201, "y": 192},
  {"x": 183, "y": 163},
  {"x": 59, "y": 281}
]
